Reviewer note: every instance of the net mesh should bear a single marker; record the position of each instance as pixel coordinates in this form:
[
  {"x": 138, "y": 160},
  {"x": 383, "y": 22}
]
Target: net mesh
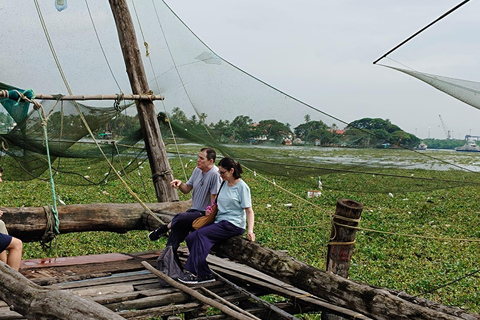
[
  {"x": 463, "y": 90},
  {"x": 209, "y": 101}
]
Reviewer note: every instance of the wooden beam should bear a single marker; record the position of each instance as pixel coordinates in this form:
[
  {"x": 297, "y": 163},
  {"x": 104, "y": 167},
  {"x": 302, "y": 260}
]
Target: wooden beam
[{"x": 161, "y": 172}]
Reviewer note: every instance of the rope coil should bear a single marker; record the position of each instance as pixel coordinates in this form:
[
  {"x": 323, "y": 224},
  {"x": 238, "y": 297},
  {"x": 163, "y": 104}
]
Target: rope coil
[{"x": 162, "y": 174}]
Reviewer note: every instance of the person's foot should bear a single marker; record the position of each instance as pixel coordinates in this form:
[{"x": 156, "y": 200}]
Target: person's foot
[
  {"x": 206, "y": 279},
  {"x": 157, "y": 234},
  {"x": 188, "y": 278}
]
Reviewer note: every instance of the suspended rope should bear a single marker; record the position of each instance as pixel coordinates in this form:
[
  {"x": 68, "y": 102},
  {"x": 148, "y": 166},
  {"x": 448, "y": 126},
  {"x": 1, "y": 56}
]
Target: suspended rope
[
  {"x": 421, "y": 30},
  {"x": 158, "y": 88}
]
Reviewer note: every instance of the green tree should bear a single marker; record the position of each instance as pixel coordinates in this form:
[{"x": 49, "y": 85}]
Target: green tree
[
  {"x": 304, "y": 131},
  {"x": 273, "y": 130},
  {"x": 375, "y": 131},
  {"x": 242, "y": 128}
]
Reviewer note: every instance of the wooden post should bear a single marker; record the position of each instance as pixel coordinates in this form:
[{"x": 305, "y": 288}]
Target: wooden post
[
  {"x": 157, "y": 156},
  {"x": 342, "y": 239}
]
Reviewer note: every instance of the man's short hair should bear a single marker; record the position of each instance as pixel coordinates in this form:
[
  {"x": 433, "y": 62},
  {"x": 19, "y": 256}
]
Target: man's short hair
[
  {"x": 211, "y": 154},
  {"x": 1, "y": 169}
]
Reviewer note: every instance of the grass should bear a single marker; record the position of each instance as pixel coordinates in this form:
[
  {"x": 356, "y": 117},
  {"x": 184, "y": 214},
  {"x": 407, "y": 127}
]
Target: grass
[{"x": 408, "y": 241}]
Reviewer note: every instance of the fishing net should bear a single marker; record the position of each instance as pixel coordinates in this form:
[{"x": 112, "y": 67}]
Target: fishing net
[
  {"x": 211, "y": 102},
  {"x": 463, "y": 90}
]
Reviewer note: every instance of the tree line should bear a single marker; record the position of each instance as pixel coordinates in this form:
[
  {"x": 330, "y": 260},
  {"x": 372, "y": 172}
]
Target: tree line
[{"x": 365, "y": 132}]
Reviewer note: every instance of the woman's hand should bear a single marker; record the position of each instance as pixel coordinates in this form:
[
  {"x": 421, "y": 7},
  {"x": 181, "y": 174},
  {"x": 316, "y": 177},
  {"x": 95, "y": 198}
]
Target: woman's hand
[
  {"x": 1, "y": 213},
  {"x": 208, "y": 210},
  {"x": 251, "y": 236}
]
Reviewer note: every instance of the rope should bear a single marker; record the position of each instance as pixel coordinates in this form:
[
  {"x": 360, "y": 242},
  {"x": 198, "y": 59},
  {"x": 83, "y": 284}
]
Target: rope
[
  {"x": 56, "y": 224},
  {"x": 407, "y": 235},
  {"x": 293, "y": 194},
  {"x": 448, "y": 283},
  {"x": 158, "y": 86},
  {"x": 49, "y": 233},
  {"x": 101, "y": 47}
]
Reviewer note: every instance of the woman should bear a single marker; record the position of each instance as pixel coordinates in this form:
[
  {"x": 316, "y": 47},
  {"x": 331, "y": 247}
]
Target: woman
[{"x": 234, "y": 213}]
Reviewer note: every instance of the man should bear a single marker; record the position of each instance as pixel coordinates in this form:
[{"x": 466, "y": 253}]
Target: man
[
  {"x": 8, "y": 243},
  {"x": 204, "y": 184}
]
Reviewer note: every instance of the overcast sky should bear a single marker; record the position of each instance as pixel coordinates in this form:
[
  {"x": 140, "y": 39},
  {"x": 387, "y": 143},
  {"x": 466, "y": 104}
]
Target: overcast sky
[{"x": 320, "y": 52}]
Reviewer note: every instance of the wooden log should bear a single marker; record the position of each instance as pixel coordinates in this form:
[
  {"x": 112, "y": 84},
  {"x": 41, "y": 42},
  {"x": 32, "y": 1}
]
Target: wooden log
[
  {"x": 161, "y": 171},
  {"x": 29, "y": 223},
  {"x": 35, "y": 302},
  {"x": 370, "y": 301},
  {"x": 342, "y": 239}
]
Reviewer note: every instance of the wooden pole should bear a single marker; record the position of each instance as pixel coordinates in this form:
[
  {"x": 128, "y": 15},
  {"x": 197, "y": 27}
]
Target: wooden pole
[
  {"x": 342, "y": 239},
  {"x": 157, "y": 156}
]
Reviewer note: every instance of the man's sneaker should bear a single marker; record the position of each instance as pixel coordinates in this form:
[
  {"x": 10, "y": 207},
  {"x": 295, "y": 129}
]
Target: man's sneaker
[
  {"x": 160, "y": 232},
  {"x": 188, "y": 278},
  {"x": 206, "y": 279}
]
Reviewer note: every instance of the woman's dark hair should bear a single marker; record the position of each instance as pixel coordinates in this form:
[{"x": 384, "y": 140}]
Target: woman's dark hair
[{"x": 228, "y": 163}]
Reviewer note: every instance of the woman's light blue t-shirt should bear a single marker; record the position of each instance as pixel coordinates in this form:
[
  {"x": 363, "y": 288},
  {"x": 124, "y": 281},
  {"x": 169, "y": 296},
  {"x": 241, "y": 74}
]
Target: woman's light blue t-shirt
[{"x": 232, "y": 202}]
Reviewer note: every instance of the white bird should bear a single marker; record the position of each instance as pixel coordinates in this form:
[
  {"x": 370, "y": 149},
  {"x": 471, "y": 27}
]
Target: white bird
[
  {"x": 61, "y": 201},
  {"x": 390, "y": 194}
]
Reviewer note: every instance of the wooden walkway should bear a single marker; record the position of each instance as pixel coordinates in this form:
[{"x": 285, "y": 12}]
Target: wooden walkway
[{"x": 121, "y": 283}]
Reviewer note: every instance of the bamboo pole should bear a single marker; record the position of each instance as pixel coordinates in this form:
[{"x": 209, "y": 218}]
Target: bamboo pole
[{"x": 4, "y": 94}]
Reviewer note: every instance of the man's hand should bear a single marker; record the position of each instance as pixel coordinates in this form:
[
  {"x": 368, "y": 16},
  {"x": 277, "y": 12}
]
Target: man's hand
[{"x": 176, "y": 184}]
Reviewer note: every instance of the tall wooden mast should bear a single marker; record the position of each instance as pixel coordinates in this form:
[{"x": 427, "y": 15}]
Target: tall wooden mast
[{"x": 161, "y": 171}]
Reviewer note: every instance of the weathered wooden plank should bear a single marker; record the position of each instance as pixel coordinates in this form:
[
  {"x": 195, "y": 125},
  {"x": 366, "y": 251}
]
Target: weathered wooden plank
[
  {"x": 120, "y": 297},
  {"x": 175, "y": 296},
  {"x": 103, "y": 290},
  {"x": 160, "y": 311},
  {"x": 149, "y": 302},
  {"x": 130, "y": 278}
]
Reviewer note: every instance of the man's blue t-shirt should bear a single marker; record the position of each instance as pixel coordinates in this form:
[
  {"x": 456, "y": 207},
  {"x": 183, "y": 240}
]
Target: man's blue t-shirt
[{"x": 204, "y": 185}]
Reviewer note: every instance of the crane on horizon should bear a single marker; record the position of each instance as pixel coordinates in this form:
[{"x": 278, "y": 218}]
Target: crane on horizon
[{"x": 447, "y": 132}]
